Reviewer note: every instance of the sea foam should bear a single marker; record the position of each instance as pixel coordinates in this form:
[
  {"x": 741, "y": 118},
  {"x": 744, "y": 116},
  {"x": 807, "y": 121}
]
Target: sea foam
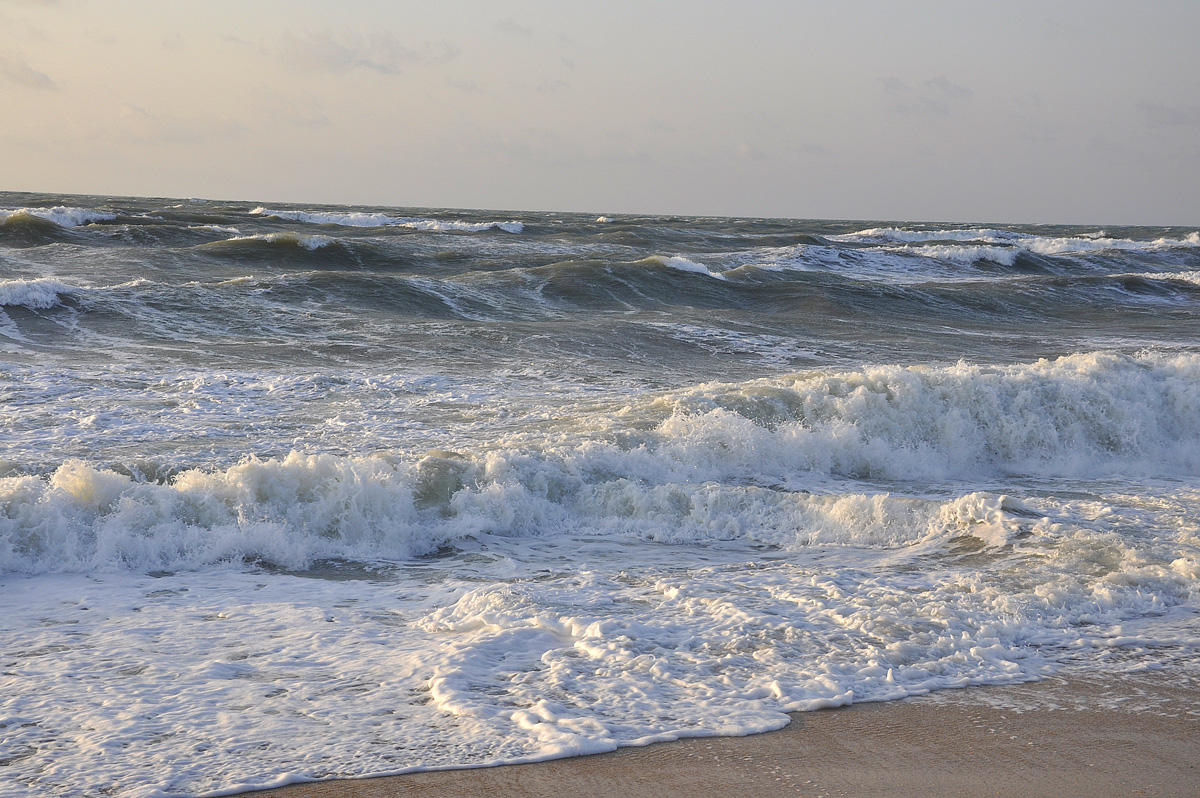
[
  {"x": 36, "y": 294},
  {"x": 356, "y": 219},
  {"x": 1042, "y": 245},
  {"x": 62, "y": 215},
  {"x": 720, "y": 461},
  {"x": 309, "y": 242}
]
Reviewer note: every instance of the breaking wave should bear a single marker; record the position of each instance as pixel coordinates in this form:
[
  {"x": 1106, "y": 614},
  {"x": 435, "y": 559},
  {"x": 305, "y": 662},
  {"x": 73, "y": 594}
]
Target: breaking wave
[
  {"x": 358, "y": 219},
  {"x": 61, "y": 215},
  {"x": 282, "y": 240},
  {"x": 38, "y": 294},
  {"x": 778, "y": 461}
]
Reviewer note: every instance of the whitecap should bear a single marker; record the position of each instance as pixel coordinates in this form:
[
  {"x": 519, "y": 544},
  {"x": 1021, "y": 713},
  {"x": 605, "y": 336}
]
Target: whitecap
[
  {"x": 62, "y": 215},
  {"x": 359, "y": 219},
  {"x": 38, "y": 294}
]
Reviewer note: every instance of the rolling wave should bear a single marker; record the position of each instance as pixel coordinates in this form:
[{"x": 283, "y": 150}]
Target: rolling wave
[
  {"x": 717, "y": 461},
  {"x": 358, "y": 219},
  {"x": 61, "y": 215},
  {"x": 38, "y": 294}
]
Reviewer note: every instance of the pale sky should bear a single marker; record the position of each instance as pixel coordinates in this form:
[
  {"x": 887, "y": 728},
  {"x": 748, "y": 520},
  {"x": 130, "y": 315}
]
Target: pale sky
[{"x": 1075, "y": 112}]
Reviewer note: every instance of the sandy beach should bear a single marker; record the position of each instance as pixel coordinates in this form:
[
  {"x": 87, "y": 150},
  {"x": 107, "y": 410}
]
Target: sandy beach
[{"x": 1131, "y": 735}]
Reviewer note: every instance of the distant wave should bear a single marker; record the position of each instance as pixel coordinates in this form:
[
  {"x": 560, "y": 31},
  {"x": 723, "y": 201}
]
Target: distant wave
[
  {"x": 309, "y": 242},
  {"x": 61, "y": 215},
  {"x": 1042, "y": 245},
  {"x": 682, "y": 264},
  {"x": 1189, "y": 277},
  {"x": 964, "y": 253},
  {"x": 356, "y": 219},
  {"x": 878, "y": 234}
]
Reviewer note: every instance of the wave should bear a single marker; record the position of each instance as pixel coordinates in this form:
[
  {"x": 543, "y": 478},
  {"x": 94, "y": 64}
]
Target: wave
[
  {"x": 1191, "y": 278},
  {"x": 61, "y": 215},
  {"x": 38, "y": 294},
  {"x": 358, "y": 219},
  {"x": 681, "y": 264},
  {"x": 964, "y": 254},
  {"x": 282, "y": 240},
  {"x": 1042, "y": 245},
  {"x": 897, "y": 234},
  {"x": 303, "y": 508},
  {"x": 32, "y": 227},
  {"x": 322, "y": 250},
  {"x": 779, "y": 461}
]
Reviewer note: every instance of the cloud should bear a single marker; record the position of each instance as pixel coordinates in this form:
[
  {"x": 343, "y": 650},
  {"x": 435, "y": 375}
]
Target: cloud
[
  {"x": 947, "y": 88},
  {"x": 157, "y": 129},
  {"x": 17, "y": 71},
  {"x": 511, "y": 27},
  {"x": 1169, "y": 116},
  {"x": 466, "y": 86},
  {"x": 380, "y": 52},
  {"x": 552, "y": 86},
  {"x": 937, "y": 96}
]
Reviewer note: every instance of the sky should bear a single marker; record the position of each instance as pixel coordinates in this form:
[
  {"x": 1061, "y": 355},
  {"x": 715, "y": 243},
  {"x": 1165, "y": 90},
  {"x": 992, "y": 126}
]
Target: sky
[{"x": 1070, "y": 112}]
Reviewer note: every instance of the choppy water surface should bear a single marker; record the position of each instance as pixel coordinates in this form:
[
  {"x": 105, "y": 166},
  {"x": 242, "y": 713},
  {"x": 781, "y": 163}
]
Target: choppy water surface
[{"x": 295, "y": 492}]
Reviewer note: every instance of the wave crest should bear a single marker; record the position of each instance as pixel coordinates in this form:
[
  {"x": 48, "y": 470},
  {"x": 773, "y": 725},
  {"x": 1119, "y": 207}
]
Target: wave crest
[
  {"x": 61, "y": 215},
  {"x": 38, "y": 294},
  {"x": 359, "y": 219},
  {"x": 736, "y": 461}
]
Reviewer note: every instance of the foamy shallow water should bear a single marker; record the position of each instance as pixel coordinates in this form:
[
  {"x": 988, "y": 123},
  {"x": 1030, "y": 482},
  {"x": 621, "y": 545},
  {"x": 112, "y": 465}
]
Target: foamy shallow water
[
  {"x": 523, "y": 649},
  {"x": 305, "y": 492}
]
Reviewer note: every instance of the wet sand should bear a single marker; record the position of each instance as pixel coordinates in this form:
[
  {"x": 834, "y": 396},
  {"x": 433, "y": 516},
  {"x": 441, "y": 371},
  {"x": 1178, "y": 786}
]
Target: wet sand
[{"x": 1134, "y": 735}]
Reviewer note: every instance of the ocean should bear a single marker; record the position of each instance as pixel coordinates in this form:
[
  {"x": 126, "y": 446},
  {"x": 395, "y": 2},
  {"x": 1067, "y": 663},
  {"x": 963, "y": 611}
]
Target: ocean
[{"x": 294, "y": 492}]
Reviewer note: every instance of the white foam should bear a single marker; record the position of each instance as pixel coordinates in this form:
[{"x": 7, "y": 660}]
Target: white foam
[
  {"x": 502, "y": 654},
  {"x": 309, "y": 242},
  {"x": 767, "y": 348},
  {"x": 1042, "y": 245},
  {"x": 1192, "y": 277},
  {"x": 1060, "y": 246},
  {"x": 689, "y": 466},
  {"x": 608, "y": 572},
  {"x": 875, "y": 234},
  {"x": 217, "y": 228},
  {"x": 899, "y": 264},
  {"x": 684, "y": 265},
  {"x": 62, "y": 215},
  {"x": 38, "y": 294},
  {"x": 351, "y": 219},
  {"x": 359, "y": 219},
  {"x": 965, "y": 255}
]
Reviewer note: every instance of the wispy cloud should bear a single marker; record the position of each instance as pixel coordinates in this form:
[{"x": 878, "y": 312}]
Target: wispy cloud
[
  {"x": 142, "y": 125},
  {"x": 936, "y": 96},
  {"x": 511, "y": 27},
  {"x": 552, "y": 86},
  {"x": 383, "y": 53},
  {"x": 17, "y": 71},
  {"x": 948, "y": 88},
  {"x": 1170, "y": 116},
  {"x": 466, "y": 86}
]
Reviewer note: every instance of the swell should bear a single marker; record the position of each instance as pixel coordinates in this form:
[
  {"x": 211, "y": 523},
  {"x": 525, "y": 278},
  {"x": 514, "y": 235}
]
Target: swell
[
  {"x": 786, "y": 461},
  {"x": 314, "y": 301},
  {"x": 290, "y": 249},
  {"x": 36, "y": 294},
  {"x": 343, "y": 218},
  {"x": 23, "y": 229}
]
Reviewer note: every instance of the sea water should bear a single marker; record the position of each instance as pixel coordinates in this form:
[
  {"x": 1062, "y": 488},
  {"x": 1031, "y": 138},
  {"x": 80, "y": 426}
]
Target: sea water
[{"x": 302, "y": 492}]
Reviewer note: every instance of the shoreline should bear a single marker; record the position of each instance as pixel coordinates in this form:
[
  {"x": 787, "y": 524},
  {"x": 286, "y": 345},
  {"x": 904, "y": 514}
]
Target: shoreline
[{"x": 1126, "y": 734}]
